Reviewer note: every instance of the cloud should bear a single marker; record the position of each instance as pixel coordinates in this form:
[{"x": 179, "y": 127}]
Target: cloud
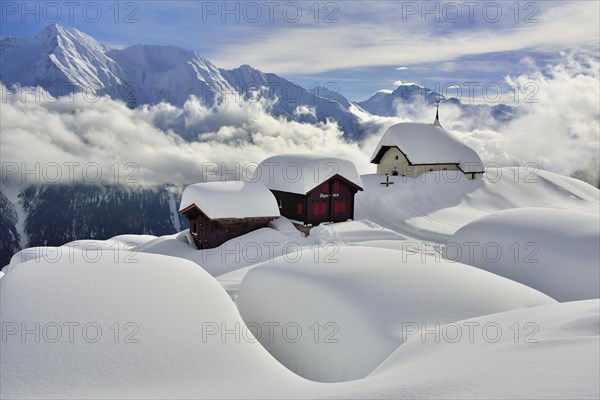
[
  {"x": 556, "y": 128},
  {"x": 168, "y": 144},
  {"x": 38, "y": 135},
  {"x": 382, "y": 40},
  {"x": 402, "y": 83},
  {"x": 401, "y": 68}
]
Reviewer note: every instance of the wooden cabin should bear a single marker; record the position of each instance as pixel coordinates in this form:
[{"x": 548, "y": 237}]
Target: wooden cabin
[
  {"x": 220, "y": 211},
  {"x": 311, "y": 189},
  {"x": 411, "y": 149}
]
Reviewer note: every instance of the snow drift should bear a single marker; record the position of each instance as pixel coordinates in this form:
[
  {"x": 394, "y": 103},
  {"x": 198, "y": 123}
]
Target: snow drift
[
  {"x": 341, "y": 311},
  {"x": 553, "y": 251},
  {"x": 435, "y": 205},
  {"x": 144, "y": 329},
  {"x": 547, "y": 352}
]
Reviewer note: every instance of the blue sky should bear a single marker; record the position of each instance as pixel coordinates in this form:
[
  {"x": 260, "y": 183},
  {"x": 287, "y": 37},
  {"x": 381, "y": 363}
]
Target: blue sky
[{"x": 356, "y": 46}]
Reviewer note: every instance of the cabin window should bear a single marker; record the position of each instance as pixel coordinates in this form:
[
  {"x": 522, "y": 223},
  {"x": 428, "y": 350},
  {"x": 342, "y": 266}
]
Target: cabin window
[
  {"x": 319, "y": 208},
  {"x": 395, "y": 173},
  {"x": 397, "y": 157},
  {"x": 300, "y": 209},
  {"x": 325, "y": 187},
  {"x": 193, "y": 227},
  {"x": 340, "y": 207},
  {"x": 336, "y": 187}
]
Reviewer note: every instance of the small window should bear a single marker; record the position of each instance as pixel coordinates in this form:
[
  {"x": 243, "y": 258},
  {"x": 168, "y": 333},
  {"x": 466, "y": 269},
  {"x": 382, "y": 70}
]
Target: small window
[
  {"x": 319, "y": 209},
  {"x": 325, "y": 187},
  {"x": 340, "y": 207},
  {"x": 336, "y": 187},
  {"x": 300, "y": 209},
  {"x": 395, "y": 173},
  {"x": 397, "y": 157}
]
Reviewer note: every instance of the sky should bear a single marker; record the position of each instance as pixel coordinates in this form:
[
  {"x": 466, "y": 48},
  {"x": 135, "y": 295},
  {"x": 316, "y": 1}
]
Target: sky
[{"x": 358, "y": 47}]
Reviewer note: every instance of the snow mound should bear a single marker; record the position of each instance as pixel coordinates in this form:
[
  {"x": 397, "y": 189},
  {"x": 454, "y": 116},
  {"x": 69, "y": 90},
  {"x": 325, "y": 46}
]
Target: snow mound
[
  {"x": 428, "y": 144},
  {"x": 300, "y": 173},
  {"x": 106, "y": 329},
  {"x": 133, "y": 240},
  {"x": 435, "y": 205},
  {"x": 252, "y": 248},
  {"x": 363, "y": 230},
  {"x": 325, "y": 233},
  {"x": 547, "y": 352},
  {"x": 553, "y": 251},
  {"x": 230, "y": 200},
  {"x": 337, "y": 312},
  {"x": 286, "y": 227}
]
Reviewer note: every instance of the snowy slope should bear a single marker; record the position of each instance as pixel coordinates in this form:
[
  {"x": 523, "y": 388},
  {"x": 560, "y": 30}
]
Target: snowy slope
[
  {"x": 547, "y": 352},
  {"x": 436, "y": 204},
  {"x": 555, "y": 251},
  {"x": 287, "y": 99},
  {"x": 170, "y": 342},
  {"x": 361, "y": 300},
  {"x": 136, "y": 332},
  {"x": 253, "y": 248},
  {"x": 62, "y": 60},
  {"x": 170, "y": 74},
  {"x": 59, "y": 59}
]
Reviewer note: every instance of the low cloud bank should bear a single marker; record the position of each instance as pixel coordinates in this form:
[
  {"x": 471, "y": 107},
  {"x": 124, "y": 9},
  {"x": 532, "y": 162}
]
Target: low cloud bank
[{"x": 72, "y": 138}]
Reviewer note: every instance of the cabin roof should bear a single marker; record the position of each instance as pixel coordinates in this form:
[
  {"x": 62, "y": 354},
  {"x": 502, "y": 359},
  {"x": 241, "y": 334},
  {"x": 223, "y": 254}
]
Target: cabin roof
[
  {"x": 220, "y": 200},
  {"x": 424, "y": 143},
  {"x": 300, "y": 173}
]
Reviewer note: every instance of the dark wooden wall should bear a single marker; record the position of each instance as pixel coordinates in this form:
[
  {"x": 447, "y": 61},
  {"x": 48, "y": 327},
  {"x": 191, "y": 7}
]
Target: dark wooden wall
[
  {"x": 332, "y": 201},
  {"x": 208, "y": 233}
]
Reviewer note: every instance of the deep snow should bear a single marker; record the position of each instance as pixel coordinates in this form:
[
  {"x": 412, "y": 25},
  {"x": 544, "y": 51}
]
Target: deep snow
[
  {"x": 343, "y": 310},
  {"x": 389, "y": 278},
  {"x": 554, "y": 251}
]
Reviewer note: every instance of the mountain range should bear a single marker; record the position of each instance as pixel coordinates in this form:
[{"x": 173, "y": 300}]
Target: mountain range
[{"x": 64, "y": 60}]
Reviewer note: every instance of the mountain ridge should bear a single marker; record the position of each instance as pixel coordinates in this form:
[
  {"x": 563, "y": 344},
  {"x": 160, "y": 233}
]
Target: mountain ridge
[{"x": 62, "y": 60}]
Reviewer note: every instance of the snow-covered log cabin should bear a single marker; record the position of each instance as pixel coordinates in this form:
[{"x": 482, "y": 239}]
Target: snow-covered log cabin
[
  {"x": 219, "y": 211},
  {"x": 411, "y": 149},
  {"x": 311, "y": 189}
]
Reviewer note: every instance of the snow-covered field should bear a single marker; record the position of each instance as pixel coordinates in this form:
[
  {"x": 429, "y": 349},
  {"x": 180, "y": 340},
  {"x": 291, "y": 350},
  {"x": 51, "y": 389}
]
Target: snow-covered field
[{"x": 371, "y": 306}]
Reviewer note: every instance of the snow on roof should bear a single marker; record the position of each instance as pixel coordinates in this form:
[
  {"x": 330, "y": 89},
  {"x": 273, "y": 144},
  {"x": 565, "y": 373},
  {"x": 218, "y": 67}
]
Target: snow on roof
[
  {"x": 230, "y": 200},
  {"x": 428, "y": 144},
  {"x": 300, "y": 173}
]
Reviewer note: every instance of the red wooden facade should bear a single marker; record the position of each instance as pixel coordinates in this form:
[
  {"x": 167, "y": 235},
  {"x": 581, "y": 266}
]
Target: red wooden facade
[
  {"x": 331, "y": 201},
  {"x": 208, "y": 233}
]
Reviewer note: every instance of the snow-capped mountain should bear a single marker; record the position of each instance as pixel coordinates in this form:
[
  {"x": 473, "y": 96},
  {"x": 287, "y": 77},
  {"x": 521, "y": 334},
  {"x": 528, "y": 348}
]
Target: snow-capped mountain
[
  {"x": 59, "y": 60},
  {"x": 292, "y": 101},
  {"x": 170, "y": 74},
  {"x": 388, "y": 102},
  {"x": 62, "y": 60}
]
